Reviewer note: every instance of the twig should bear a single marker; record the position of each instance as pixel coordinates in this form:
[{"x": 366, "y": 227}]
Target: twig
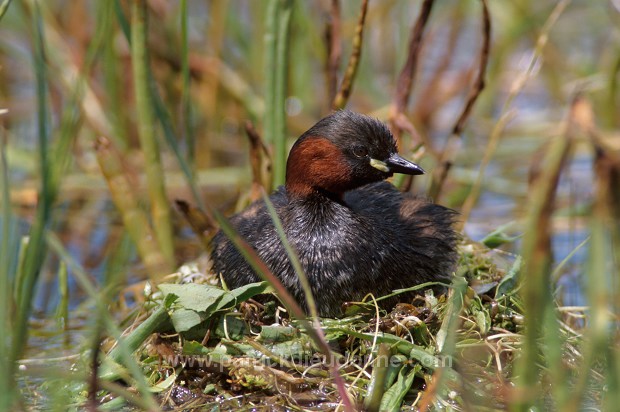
[
  {"x": 429, "y": 100},
  {"x": 496, "y": 133},
  {"x": 453, "y": 144},
  {"x": 484, "y": 60},
  {"x": 334, "y": 49},
  {"x": 201, "y": 223},
  {"x": 407, "y": 74},
  {"x": 398, "y": 119},
  {"x": 93, "y": 383},
  {"x": 260, "y": 161},
  {"x": 340, "y": 101}
]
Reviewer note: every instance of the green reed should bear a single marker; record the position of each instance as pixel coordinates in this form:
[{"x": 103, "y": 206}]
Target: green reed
[
  {"x": 36, "y": 250},
  {"x": 160, "y": 208},
  {"x": 277, "y": 46}
]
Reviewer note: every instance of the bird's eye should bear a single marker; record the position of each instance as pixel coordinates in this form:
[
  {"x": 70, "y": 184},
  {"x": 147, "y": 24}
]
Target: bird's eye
[{"x": 360, "y": 151}]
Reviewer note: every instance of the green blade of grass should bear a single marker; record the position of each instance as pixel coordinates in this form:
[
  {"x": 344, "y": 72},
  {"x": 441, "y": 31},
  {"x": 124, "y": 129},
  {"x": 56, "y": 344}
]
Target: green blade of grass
[
  {"x": 122, "y": 19},
  {"x": 6, "y": 262},
  {"x": 160, "y": 210},
  {"x": 279, "y": 14},
  {"x": 163, "y": 116},
  {"x": 123, "y": 350},
  {"x": 282, "y": 69},
  {"x": 4, "y": 7},
  {"x": 111, "y": 70},
  {"x": 36, "y": 249},
  {"x": 62, "y": 311},
  {"x": 541, "y": 319},
  {"x": 376, "y": 388},
  {"x": 185, "y": 91},
  {"x": 270, "y": 39},
  {"x": 294, "y": 259}
]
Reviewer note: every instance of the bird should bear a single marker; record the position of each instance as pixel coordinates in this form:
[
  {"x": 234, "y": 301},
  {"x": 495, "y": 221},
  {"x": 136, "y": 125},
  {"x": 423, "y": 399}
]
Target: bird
[{"x": 354, "y": 233}]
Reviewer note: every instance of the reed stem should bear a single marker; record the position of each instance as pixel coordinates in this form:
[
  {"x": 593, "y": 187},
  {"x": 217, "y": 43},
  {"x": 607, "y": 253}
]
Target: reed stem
[{"x": 160, "y": 210}]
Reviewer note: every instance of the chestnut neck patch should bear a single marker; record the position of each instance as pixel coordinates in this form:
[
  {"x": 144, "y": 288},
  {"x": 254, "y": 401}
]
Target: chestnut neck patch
[{"x": 315, "y": 164}]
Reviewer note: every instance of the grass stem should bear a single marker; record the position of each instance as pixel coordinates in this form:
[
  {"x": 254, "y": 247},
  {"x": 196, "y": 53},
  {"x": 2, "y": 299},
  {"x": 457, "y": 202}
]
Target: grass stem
[{"x": 160, "y": 209}]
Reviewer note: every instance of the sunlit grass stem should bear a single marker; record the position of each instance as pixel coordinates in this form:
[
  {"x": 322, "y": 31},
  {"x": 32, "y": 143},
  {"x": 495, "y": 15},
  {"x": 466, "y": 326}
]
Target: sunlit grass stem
[
  {"x": 160, "y": 209},
  {"x": 62, "y": 311},
  {"x": 134, "y": 218}
]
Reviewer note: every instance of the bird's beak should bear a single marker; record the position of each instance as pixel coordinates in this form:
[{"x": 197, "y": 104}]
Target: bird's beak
[{"x": 397, "y": 164}]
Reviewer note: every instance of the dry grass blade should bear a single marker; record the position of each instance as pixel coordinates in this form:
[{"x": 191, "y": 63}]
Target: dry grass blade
[
  {"x": 134, "y": 218},
  {"x": 453, "y": 144},
  {"x": 260, "y": 162},
  {"x": 160, "y": 209},
  {"x": 200, "y": 223},
  {"x": 398, "y": 120},
  {"x": 340, "y": 101}
]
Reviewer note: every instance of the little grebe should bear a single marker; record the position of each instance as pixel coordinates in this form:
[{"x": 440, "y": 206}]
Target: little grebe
[{"x": 354, "y": 233}]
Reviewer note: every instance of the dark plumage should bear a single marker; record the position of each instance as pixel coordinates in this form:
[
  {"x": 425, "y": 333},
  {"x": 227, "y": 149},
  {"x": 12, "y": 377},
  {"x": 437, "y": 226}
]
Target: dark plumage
[{"x": 354, "y": 233}]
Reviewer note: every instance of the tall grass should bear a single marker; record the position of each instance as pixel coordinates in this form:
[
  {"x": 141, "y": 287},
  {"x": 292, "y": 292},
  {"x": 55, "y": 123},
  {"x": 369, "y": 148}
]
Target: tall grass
[
  {"x": 36, "y": 249},
  {"x": 6, "y": 298}
]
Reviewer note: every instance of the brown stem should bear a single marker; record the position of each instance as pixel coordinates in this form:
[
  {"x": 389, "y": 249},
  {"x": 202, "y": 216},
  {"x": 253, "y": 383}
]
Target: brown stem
[
  {"x": 479, "y": 83},
  {"x": 340, "y": 101},
  {"x": 260, "y": 161},
  {"x": 334, "y": 49},
  {"x": 406, "y": 77},
  {"x": 454, "y": 141},
  {"x": 399, "y": 122}
]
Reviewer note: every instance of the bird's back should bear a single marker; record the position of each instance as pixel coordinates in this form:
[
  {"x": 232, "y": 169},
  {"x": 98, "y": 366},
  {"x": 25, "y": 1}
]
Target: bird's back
[{"x": 375, "y": 241}]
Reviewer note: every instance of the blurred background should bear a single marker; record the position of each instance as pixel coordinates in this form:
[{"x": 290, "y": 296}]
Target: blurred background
[{"x": 67, "y": 79}]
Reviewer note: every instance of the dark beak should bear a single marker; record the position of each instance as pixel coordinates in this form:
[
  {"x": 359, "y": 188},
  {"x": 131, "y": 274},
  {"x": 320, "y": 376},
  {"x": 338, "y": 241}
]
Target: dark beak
[{"x": 398, "y": 164}]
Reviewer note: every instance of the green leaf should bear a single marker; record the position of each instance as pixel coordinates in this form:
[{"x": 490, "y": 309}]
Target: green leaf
[
  {"x": 165, "y": 384},
  {"x": 194, "y": 348},
  {"x": 509, "y": 281},
  {"x": 194, "y": 303},
  {"x": 230, "y": 327},
  {"x": 243, "y": 293},
  {"x": 497, "y": 237},
  {"x": 393, "y": 397},
  {"x": 278, "y": 333},
  {"x": 199, "y": 298},
  {"x": 169, "y": 300},
  {"x": 185, "y": 319}
]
